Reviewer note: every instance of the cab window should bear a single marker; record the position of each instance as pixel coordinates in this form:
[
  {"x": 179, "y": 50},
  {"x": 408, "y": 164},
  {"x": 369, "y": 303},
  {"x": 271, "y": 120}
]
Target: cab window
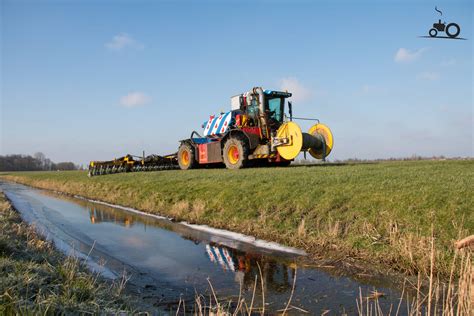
[{"x": 275, "y": 109}]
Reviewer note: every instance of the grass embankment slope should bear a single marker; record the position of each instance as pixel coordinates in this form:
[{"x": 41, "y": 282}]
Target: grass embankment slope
[
  {"x": 382, "y": 212},
  {"x": 36, "y": 279}
]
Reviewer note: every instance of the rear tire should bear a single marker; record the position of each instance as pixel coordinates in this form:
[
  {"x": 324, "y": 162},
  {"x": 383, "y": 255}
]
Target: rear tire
[
  {"x": 186, "y": 157},
  {"x": 235, "y": 154},
  {"x": 456, "y": 33}
]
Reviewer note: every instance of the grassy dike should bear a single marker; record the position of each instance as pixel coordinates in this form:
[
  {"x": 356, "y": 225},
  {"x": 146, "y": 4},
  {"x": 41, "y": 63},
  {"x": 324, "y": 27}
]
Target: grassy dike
[
  {"x": 36, "y": 279},
  {"x": 383, "y": 213}
]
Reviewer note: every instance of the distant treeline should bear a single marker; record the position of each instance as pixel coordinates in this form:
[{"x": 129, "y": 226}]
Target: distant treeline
[
  {"x": 411, "y": 158},
  {"x": 37, "y": 162}
]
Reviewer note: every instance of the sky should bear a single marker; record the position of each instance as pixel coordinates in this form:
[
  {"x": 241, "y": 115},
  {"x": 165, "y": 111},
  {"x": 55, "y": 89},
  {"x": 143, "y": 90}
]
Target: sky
[{"x": 94, "y": 80}]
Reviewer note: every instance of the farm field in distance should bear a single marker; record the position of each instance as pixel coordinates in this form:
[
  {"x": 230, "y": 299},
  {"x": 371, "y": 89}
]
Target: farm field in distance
[{"x": 383, "y": 213}]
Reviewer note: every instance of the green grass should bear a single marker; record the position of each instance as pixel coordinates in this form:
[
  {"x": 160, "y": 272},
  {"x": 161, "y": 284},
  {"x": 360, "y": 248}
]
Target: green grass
[
  {"x": 380, "y": 212},
  {"x": 35, "y": 279}
]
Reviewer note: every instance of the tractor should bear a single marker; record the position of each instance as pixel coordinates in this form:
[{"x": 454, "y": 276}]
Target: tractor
[
  {"x": 442, "y": 27},
  {"x": 255, "y": 132}
]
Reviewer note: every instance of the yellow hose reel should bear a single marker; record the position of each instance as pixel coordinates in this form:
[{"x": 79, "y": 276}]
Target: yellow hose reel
[{"x": 318, "y": 141}]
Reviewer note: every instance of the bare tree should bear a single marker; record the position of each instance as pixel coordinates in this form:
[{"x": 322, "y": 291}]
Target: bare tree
[{"x": 40, "y": 157}]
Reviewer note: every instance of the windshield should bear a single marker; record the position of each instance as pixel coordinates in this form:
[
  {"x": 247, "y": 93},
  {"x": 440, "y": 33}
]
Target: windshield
[{"x": 275, "y": 108}]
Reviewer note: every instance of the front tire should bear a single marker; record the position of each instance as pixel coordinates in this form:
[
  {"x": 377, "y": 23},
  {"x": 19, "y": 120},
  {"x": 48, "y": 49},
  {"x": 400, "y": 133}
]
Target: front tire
[
  {"x": 235, "y": 153},
  {"x": 433, "y": 32},
  {"x": 186, "y": 157}
]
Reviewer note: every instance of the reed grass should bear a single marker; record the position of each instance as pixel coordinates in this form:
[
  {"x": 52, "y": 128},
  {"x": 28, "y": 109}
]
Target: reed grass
[{"x": 454, "y": 297}]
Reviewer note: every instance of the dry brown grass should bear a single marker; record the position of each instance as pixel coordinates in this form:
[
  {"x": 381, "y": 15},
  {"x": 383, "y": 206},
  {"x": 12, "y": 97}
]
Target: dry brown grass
[
  {"x": 213, "y": 306},
  {"x": 301, "y": 231},
  {"x": 198, "y": 209},
  {"x": 454, "y": 297}
]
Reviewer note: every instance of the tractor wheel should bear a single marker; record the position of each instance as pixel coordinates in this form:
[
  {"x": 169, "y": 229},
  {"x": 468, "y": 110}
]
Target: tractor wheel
[
  {"x": 235, "y": 154},
  {"x": 186, "y": 157},
  {"x": 456, "y": 33},
  {"x": 433, "y": 32}
]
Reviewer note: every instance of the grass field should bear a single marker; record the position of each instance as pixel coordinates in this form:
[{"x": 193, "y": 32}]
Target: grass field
[{"x": 379, "y": 212}]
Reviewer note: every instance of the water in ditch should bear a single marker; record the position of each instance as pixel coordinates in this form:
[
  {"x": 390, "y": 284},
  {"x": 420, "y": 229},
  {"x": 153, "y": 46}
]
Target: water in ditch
[{"x": 166, "y": 260}]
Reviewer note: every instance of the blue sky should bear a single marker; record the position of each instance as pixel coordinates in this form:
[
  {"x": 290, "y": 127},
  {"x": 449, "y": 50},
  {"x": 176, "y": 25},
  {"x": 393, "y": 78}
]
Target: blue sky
[{"x": 83, "y": 80}]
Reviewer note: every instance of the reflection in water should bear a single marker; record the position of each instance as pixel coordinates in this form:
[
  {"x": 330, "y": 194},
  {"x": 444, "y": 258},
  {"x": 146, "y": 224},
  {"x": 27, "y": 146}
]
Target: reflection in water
[
  {"x": 99, "y": 215},
  {"x": 246, "y": 265}
]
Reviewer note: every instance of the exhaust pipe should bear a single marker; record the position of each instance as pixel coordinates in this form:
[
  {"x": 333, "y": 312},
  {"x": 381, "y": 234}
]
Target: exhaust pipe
[{"x": 261, "y": 106}]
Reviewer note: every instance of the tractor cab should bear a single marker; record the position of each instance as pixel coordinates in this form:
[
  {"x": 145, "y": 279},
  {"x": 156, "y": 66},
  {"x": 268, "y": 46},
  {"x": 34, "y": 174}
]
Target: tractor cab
[
  {"x": 271, "y": 110},
  {"x": 275, "y": 107}
]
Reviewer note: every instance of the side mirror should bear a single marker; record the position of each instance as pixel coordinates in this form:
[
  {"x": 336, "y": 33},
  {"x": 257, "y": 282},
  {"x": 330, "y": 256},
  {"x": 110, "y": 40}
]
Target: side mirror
[{"x": 290, "y": 110}]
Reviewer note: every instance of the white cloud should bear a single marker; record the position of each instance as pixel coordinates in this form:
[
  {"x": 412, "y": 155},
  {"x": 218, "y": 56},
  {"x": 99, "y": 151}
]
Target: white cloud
[
  {"x": 123, "y": 40},
  {"x": 134, "y": 99},
  {"x": 404, "y": 55},
  {"x": 428, "y": 75},
  {"x": 299, "y": 91}
]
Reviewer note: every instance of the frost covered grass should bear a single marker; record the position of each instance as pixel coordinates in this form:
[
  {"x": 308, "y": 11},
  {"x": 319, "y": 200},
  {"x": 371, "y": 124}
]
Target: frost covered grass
[{"x": 36, "y": 279}]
